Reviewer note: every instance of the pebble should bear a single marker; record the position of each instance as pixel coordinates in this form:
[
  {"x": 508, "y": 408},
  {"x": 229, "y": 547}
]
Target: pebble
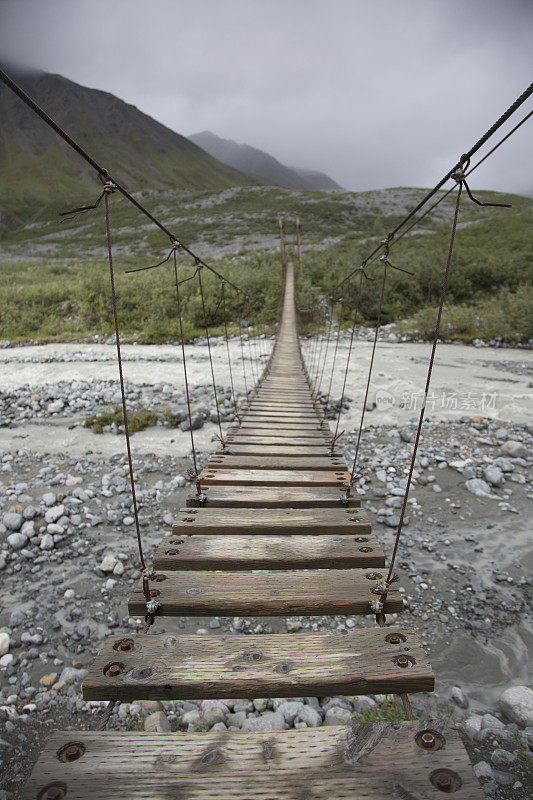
[
  {"x": 157, "y": 723},
  {"x": 459, "y": 698},
  {"x": 12, "y": 521},
  {"x": 5, "y": 642}
]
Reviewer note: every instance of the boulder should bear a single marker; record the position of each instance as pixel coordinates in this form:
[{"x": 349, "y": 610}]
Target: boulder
[
  {"x": 157, "y": 723},
  {"x": 517, "y": 704}
]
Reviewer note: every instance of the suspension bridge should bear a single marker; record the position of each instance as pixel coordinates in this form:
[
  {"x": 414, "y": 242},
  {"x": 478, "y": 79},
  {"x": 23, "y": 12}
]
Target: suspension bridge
[{"x": 274, "y": 528}]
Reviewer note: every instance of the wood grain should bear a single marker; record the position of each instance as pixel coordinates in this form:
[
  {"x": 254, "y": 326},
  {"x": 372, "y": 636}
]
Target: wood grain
[
  {"x": 286, "y": 521},
  {"x": 249, "y": 462},
  {"x": 173, "y": 667},
  {"x": 274, "y": 477},
  {"x": 278, "y": 497},
  {"x": 279, "y": 593}
]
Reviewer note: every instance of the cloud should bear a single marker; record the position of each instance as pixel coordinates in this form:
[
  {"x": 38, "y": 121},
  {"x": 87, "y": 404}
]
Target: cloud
[{"x": 376, "y": 94}]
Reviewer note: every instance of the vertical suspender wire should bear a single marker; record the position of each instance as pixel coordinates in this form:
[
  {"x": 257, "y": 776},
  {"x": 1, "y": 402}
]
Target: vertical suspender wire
[
  {"x": 239, "y": 315},
  {"x": 209, "y": 352},
  {"x": 227, "y": 350},
  {"x": 428, "y": 381},
  {"x": 356, "y": 313},
  {"x": 146, "y": 586},
  {"x": 376, "y": 332},
  {"x": 341, "y": 311},
  {"x": 187, "y": 394},
  {"x": 319, "y": 357},
  {"x": 328, "y": 337}
]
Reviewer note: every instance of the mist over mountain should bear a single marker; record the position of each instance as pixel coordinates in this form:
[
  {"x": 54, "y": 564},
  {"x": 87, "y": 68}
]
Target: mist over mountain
[
  {"x": 38, "y": 167},
  {"x": 261, "y": 165}
]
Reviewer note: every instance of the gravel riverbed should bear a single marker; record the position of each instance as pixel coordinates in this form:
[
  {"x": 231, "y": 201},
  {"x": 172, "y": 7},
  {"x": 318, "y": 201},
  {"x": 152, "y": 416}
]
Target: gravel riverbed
[{"x": 68, "y": 556}]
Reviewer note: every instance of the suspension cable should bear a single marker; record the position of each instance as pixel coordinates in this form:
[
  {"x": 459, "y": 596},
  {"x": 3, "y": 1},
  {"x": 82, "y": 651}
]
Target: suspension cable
[
  {"x": 227, "y": 349},
  {"x": 464, "y": 158},
  {"x": 341, "y": 311},
  {"x": 356, "y": 312},
  {"x": 210, "y": 355}
]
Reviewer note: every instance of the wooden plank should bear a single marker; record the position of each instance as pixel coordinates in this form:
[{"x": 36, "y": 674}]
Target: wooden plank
[
  {"x": 319, "y": 437},
  {"x": 270, "y": 497},
  {"x": 246, "y": 449},
  {"x": 175, "y": 667},
  {"x": 337, "y": 762},
  {"x": 273, "y": 477},
  {"x": 305, "y": 521},
  {"x": 243, "y": 461},
  {"x": 280, "y": 593},
  {"x": 241, "y": 552},
  {"x": 310, "y": 443}
]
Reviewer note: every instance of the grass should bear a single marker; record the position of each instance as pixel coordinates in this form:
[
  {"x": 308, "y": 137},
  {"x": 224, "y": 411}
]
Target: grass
[
  {"x": 137, "y": 420},
  {"x": 54, "y": 282},
  {"x": 389, "y": 710}
]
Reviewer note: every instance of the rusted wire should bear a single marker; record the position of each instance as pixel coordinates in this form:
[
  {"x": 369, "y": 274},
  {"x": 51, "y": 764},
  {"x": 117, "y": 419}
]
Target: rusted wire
[
  {"x": 184, "y": 360},
  {"x": 341, "y": 311},
  {"x": 428, "y": 381},
  {"x": 356, "y": 313},
  {"x": 106, "y": 716},
  {"x": 146, "y": 586},
  {"x": 209, "y": 352},
  {"x": 228, "y": 351}
]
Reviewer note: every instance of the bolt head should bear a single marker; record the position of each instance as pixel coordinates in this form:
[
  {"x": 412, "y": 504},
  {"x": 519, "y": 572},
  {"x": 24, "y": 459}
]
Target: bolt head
[
  {"x": 394, "y": 639},
  {"x": 113, "y": 671},
  {"x": 402, "y": 662}
]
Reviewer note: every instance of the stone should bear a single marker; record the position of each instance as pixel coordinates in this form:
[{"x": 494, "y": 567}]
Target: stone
[
  {"x": 293, "y": 625},
  {"x": 363, "y": 703},
  {"x": 54, "y": 513},
  {"x": 72, "y": 674},
  {"x": 49, "y": 498},
  {"x": 514, "y": 449},
  {"x": 5, "y": 642},
  {"x": 290, "y": 710},
  {"x": 118, "y": 569},
  {"x": 473, "y": 725},
  {"x": 212, "y": 711},
  {"x": 494, "y": 476},
  {"x": 109, "y": 563},
  {"x": 269, "y": 721},
  {"x": 502, "y": 759},
  {"x": 310, "y": 716},
  {"x": 12, "y": 520},
  {"x": 338, "y": 716},
  {"x": 483, "y": 770},
  {"x": 479, "y": 487},
  {"x": 517, "y": 704},
  {"x": 17, "y": 540},
  {"x": 459, "y": 698},
  {"x": 47, "y": 542},
  {"x": 490, "y": 721},
  {"x": 157, "y": 723},
  {"x": 55, "y": 406},
  {"x": 190, "y": 717}
]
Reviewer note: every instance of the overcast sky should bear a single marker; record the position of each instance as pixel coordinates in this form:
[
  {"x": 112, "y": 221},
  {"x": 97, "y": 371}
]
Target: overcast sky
[{"x": 374, "y": 92}]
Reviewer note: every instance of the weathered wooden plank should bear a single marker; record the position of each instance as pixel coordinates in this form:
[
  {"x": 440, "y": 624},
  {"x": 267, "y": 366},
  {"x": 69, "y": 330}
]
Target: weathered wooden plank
[
  {"x": 312, "y": 443},
  {"x": 280, "y": 593},
  {"x": 175, "y": 667},
  {"x": 253, "y": 521},
  {"x": 241, "y": 552},
  {"x": 234, "y": 449},
  {"x": 274, "y": 497},
  {"x": 360, "y": 762},
  {"x": 320, "y": 436},
  {"x": 273, "y": 477},
  {"x": 242, "y": 461}
]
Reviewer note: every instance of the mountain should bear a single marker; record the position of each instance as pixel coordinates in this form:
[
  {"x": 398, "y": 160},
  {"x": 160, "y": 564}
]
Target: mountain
[
  {"x": 261, "y": 165},
  {"x": 37, "y": 167}
]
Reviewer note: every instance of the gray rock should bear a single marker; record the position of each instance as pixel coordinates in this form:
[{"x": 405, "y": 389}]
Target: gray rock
[
  {"x": 290, "y": 710},
  {"x": 47, "y": 542},
  {"x": 494, "y": 476},
  {"x": 338, "y": 716},
  {"x": 479, "y": 487},
  {"x": 191, "y": 717},
  {"x": 459, "y": 698},
  {"x": 157, "y": 723},
  {"x": 49, "y": 498},
  {"x": 514, "y": 449},
  {"x": 269, "y": 721},
  {"x": 212, "y": 711},
  {"x": 5, "y": 642},
  {"x": 72, "y": 674},
  {"x": 483, "y": 770},
  {"x": 490, "y": 721},
  {"x": 502, "y": 759},
  {"x": 517, "y": 704},
  {"x": 17, "y": 540},
  {"x": 108, "y": 563},
  {"x": 473, "y": 725},
  {"x": 363, "y": 703},
  {"x": 12, "y": 520},
  {"x": 54, "y": 513},
  {"x": 310, "y": 716}
]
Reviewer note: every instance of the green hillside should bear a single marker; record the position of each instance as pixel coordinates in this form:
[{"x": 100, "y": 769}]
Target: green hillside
[{"x": 37, "y": 168}]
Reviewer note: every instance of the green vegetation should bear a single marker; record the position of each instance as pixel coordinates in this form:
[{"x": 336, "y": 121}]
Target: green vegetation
[
  {"x": 389, "y": 710},
  {"x": 54, "y": 281},
  {"x": 137, "y": 420}
]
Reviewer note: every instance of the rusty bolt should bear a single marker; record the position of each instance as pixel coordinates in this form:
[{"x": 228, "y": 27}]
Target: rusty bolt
[
  {"x": 154, "y": 592},
  {"x": 361, "y": 539},
  {"x": 394, "y": 639},
  {"x": 53, "y": 793},
  {"x": 176, "y": 541},
  {"x": 125, "y": 645},
  {"x": 402, "y": 661},
  {"x": 171, "y": 552},
  {"x": 188, "y": 519},
  {"x": 427, "y": 741},
  {"x": 158, "y": 578},
  {"x": 354, "y": 519},
  {"x": 445, "y": 781},
  {"x": 365, "y": 549},
  {"x": 113, "y": 671}
]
